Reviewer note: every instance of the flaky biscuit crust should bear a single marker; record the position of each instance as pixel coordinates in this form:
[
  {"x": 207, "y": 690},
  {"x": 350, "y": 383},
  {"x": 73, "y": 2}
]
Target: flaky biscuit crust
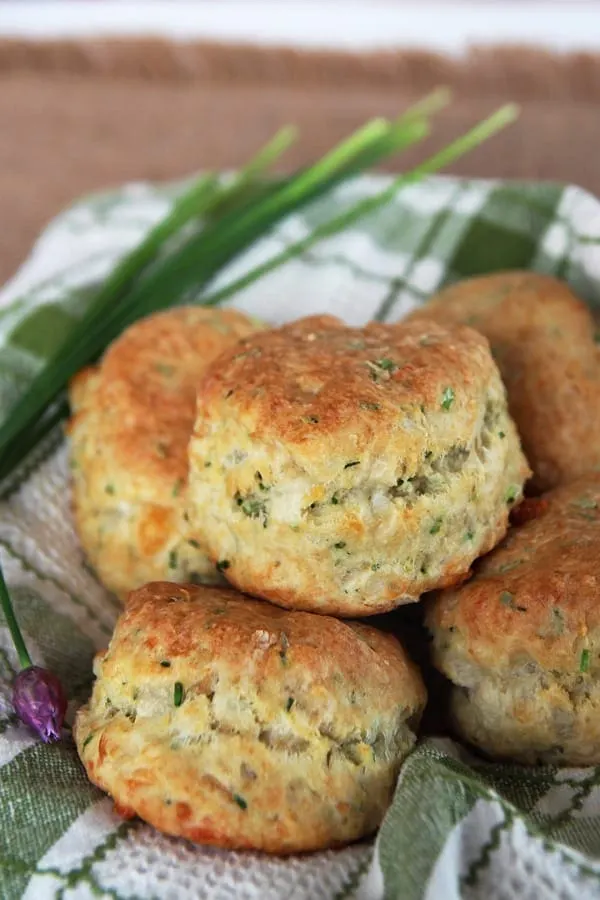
[
  {"x": 132, "y": 418},
  {"x": 521, "y": 640},
  {"x": 544, "y": 341},
  {"x": 231, "y": 722},
  {"x": 348, "y": 470}
]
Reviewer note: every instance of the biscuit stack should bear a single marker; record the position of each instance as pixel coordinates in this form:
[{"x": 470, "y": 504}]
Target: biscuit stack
[
  {"x": 520, "y": 642},
  {"x": 332, "y": 471}
]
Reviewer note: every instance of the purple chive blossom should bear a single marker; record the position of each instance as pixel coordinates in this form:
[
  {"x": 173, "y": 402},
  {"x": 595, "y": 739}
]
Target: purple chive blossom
[
  {"x": 38, "y": 696},
  {"x": 40, "y": 702}
]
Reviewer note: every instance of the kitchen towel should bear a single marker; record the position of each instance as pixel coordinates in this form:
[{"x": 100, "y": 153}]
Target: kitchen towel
[{"x": 458, "y": 827}]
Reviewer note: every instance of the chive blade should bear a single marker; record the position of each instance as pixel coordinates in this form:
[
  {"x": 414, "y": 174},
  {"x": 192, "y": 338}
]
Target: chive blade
[
  {"x": 243, "y": 185},
  {"x": 377, "y": 139},
  {"x": 202, "y": 197},
  {"x": 41, "y": 429},
  {"x": 205, "y": 196},
  {"x": 163, "y": 282},
  {"x": 13, "y": 626},
  {"x": 183, "y": 270},
  {"x": 216, "y": 245},
  {"x": 475, "y": 136},
  {"x": 428, "y": 105},
  {"x": 455, "y": 150},
  {"x": 269, "y": 154},
  {"x": 306, "y": 181},
  {"x": 400, "y": 136},
  {"x": 188, "y": 206}
]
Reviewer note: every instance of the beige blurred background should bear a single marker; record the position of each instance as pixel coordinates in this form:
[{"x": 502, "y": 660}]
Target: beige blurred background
[{"x": 96, "y": 93}]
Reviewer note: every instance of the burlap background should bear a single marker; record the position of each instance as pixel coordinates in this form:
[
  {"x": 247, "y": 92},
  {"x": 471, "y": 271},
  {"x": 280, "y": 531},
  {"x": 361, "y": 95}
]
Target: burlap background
[{"x": 80, "y": 116}]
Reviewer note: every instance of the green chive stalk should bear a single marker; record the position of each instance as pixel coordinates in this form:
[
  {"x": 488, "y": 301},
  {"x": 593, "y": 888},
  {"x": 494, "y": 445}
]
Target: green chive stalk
[
  {"x": 164, "y": 281},
  {"x": 449, "y": 154},
  {"x": 149, "y": 279}
]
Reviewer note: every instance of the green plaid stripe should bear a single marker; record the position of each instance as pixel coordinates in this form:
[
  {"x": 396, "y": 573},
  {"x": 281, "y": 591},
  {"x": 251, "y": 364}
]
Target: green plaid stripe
[{"x": 455, "y": 823}]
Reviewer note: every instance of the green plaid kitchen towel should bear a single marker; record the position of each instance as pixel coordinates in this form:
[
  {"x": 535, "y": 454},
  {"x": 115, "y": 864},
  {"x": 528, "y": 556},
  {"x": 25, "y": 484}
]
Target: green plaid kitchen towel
[{"x": 457, "y": 827}]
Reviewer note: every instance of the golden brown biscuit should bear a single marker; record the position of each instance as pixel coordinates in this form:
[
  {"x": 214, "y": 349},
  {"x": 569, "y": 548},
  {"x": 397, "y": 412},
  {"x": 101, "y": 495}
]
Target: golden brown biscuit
[
  {"x": 229, "y": 721},
  {"x": 521, "y": 640},
  {"x": 132, "y": 419},
  {"x": 542, "y": 338},
  {"x": 348, "y": 470}
]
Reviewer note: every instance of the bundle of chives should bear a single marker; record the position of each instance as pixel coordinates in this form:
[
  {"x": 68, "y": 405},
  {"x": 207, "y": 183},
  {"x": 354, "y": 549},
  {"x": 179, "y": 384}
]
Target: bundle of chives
[
  {"x": 453, "y": 151},
  {"x": 229, "y": 219}
]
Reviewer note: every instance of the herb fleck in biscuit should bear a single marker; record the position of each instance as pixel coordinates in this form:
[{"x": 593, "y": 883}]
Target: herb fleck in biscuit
[
  {"x": 132, "y": 419},
  {"x": 348, "y": 470},
  {"x": 231, "y": 722},
  {"x": 542, "y": 338},
  {"x": 521, "y": 640}
]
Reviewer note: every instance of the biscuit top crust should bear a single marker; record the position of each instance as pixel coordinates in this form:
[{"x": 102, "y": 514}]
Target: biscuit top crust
[
  {"x": 144, "y": 390},
  {"x": 331, "y": 393},
  {"x": 191, "y": 633},
  {"x": 231, "y": 722},
  {"x": 537, "y": 596},
  {"x": 543, "y": 339}
]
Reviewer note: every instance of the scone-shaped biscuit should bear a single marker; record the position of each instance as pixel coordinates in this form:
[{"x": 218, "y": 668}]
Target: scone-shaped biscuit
[
  {"x": 133, "y": 416},
  {"x": 348, "y": 470},
  {"x": 542, "y": 338},
  {"x": 229, "y": 721},
  {"x": 521, "y": 640}
]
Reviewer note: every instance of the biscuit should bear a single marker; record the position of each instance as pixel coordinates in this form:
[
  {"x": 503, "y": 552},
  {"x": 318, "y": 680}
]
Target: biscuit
[
  {"x": 231, "y": 722},
  {"x": 543, "y": 340},
  {"x": 132, "y": 418},
  {"x": 348, "y": 470},
  {"x": 521, "y": 641}
]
